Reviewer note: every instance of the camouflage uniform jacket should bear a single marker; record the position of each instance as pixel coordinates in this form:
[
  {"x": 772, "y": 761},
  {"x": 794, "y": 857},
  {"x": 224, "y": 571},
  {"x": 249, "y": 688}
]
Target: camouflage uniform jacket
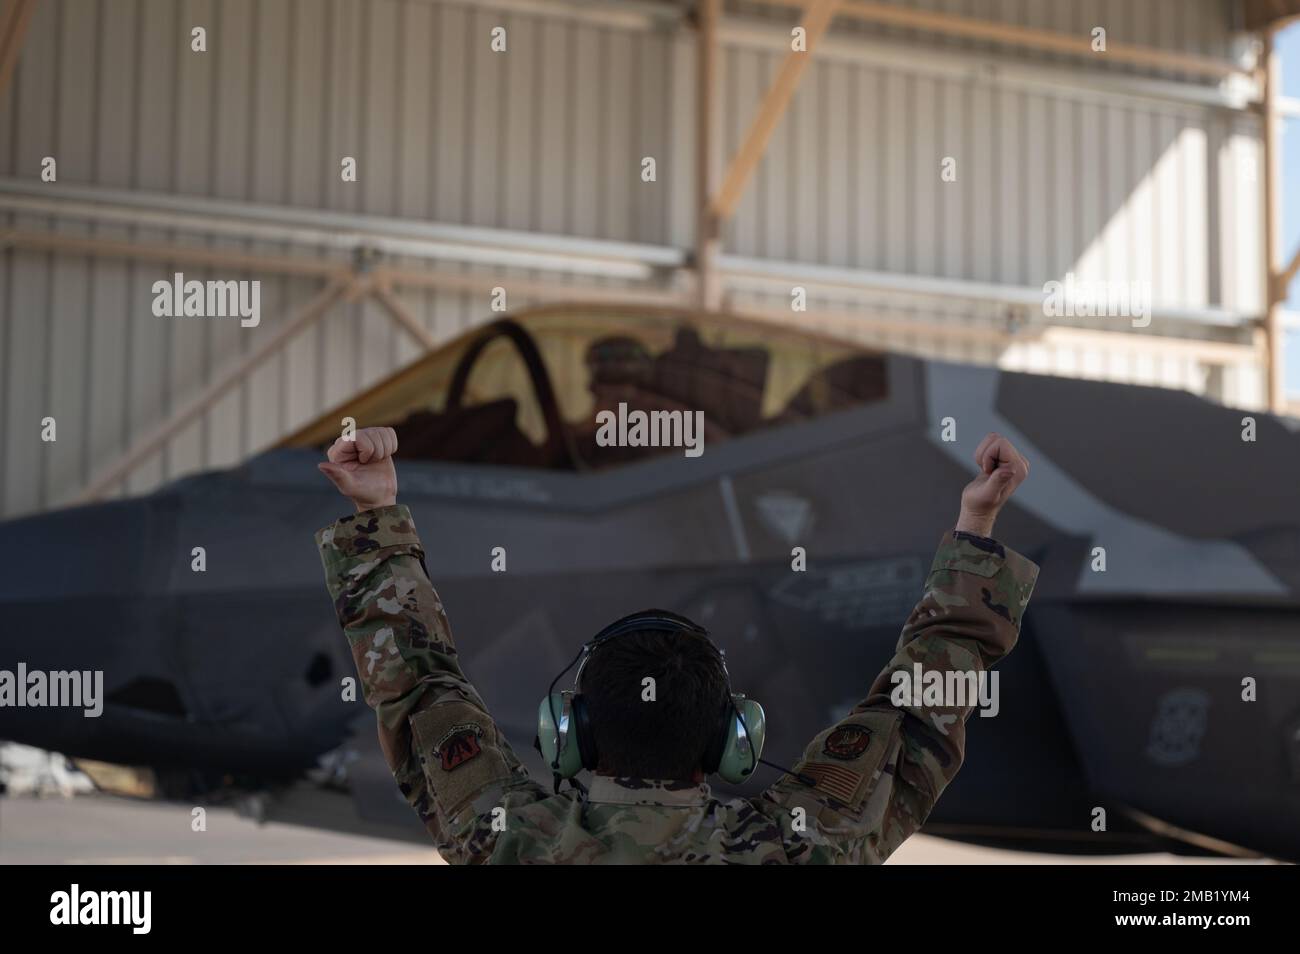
[{"x": 878, "y": 771}]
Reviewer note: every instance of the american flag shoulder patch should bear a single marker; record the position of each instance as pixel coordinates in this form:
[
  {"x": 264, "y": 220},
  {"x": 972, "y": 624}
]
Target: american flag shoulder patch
[{"x": 835, "y": 780}]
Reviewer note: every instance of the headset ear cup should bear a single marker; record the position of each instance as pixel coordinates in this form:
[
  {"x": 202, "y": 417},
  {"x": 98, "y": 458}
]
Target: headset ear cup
[
  {"x": 567, "y": 762},
  {"x": 744, "y": 745},
  {"x": 582, "y": 734},
  {"x": 713, "y": 754}
]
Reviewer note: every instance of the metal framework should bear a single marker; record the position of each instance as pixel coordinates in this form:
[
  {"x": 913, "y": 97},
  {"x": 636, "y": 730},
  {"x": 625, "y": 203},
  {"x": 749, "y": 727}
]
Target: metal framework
[
  {"x": 1010, "y": 34},
  {"x": 1277, "y": 278},
  {"x": 338, "y": 287},
  {"x": 13, "y": 30},
  {"x": 817, "y": 17},
  {"x": 344, "y": 280}
]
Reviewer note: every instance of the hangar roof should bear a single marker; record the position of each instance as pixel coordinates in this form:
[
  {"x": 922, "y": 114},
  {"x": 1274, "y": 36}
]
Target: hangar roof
[{"x": 1260, "y": 14}]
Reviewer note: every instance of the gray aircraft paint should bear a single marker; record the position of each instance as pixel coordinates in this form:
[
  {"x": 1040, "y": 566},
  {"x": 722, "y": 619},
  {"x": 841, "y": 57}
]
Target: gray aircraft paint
[
  {"x": 787, "y": 515},
  {"x": 733, "y": 518},
  {"x": 1155, "y": 561}
]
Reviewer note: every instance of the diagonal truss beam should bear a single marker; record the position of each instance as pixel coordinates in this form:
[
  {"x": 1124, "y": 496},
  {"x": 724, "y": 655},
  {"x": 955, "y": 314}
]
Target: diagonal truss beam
[
  {"x": 13, "y": 30},
  {"x": 1025, "y": 37},
  {"x": 816, "y": 18},
  {"x": 335, "y": 289}
]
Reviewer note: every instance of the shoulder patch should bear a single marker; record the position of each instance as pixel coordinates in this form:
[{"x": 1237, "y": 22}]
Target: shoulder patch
[
  {"x": 461, "y": 753},
  {"x": 845, "y": 764},
  {"x": 459, "y": 745},
  {"x": 847, "y": 742}
]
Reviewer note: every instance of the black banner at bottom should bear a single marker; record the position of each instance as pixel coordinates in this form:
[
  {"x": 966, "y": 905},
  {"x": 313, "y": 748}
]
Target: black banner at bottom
[{"x": 383, "y": 905}]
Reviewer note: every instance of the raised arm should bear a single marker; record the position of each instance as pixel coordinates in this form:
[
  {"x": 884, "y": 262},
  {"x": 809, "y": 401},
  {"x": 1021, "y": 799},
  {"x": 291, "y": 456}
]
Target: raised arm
[
  {"x": 880, "y": 770},
  {"x": 449, "y": 759}
]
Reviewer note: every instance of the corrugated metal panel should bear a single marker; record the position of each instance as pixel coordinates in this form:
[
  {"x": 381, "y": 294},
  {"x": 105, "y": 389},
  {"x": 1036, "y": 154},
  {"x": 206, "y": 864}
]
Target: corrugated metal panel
[
  {"x": 285, "y": 91},
  {"x": 545, "y": 137},
  {"x": 1202, "y": 27},
  {"x": 1062, "y": 185},
  {"x": 549, "y": 138}
]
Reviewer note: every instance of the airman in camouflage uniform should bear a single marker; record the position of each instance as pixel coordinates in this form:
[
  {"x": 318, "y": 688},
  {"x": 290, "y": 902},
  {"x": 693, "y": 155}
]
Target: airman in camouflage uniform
[{"x": 878, "y": 771}]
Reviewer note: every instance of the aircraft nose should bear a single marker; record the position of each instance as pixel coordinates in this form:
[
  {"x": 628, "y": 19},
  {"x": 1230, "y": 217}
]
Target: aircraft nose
[
  {"x": 71, "y": 584},
  {"x": 77, "y": 554}
]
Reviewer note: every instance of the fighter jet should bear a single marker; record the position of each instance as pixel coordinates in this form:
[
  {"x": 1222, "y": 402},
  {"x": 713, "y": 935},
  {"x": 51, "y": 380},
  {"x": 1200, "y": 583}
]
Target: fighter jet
[{"x": 1153, "y": 702}]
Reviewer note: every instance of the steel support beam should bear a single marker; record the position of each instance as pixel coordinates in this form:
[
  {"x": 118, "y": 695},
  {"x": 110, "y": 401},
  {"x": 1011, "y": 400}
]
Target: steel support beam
[
  {"x": 382, "y": 291},
  {"x": 1275, "y": 279},
  {"x": 483, "y": 284},
  {"x": 169, "y": 254},
  {"x": 817, "y": 17},
  {"x": 741, "y": 272},
  {"x": 1288, "y": 274},
  {"x": 302, "y": 267},
  {"x": 1011, "y": 34},
  {"x": 13, "y": 30},
  {"x": 335, "y": 289},
  {"x": 346, "y": 233},
  {"x": 707, "y": 227}
]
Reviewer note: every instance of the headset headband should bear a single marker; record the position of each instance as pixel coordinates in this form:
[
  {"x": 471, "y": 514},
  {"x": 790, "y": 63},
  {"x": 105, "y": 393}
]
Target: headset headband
[{"x": 659, "y": 621}]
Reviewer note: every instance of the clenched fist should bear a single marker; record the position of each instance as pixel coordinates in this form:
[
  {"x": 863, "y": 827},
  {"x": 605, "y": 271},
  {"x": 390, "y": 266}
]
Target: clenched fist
[
  {"x": 1002, "y": 470},
  {"x": 362, "y": 469}
]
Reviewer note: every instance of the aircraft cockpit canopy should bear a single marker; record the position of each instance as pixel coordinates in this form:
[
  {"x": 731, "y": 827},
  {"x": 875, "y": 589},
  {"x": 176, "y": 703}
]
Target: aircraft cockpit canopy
[{"x": 529, "y": 391}]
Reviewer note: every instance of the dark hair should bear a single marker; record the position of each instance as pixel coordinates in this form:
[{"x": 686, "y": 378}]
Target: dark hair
[{"x": 666, "y": 738}]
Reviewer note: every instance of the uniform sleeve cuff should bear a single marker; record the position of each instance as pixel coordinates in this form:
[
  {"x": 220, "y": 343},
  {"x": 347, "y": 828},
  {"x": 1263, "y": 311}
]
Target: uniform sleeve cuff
[
  {"x": 982, "y": 556},
  {"x": 360, "y": 533}
]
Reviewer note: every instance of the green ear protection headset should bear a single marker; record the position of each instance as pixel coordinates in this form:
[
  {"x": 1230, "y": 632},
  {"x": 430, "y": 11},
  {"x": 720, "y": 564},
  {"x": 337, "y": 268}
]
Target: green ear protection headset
[{"x": 564, "y": 731}]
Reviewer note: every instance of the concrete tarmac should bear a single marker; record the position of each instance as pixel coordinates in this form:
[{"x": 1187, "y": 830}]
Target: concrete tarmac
[{"x": 103, "y": 830}]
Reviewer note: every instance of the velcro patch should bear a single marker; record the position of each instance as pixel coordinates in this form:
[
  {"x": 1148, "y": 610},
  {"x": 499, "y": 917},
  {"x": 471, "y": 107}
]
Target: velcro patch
[
  {"x": 460, "y": 751},
  {"x": 836, "y": 781},
  {"x": 845, "y": 762},
  {"x": 459, "y": 745},
  {"x": 847, "y": 742}
]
